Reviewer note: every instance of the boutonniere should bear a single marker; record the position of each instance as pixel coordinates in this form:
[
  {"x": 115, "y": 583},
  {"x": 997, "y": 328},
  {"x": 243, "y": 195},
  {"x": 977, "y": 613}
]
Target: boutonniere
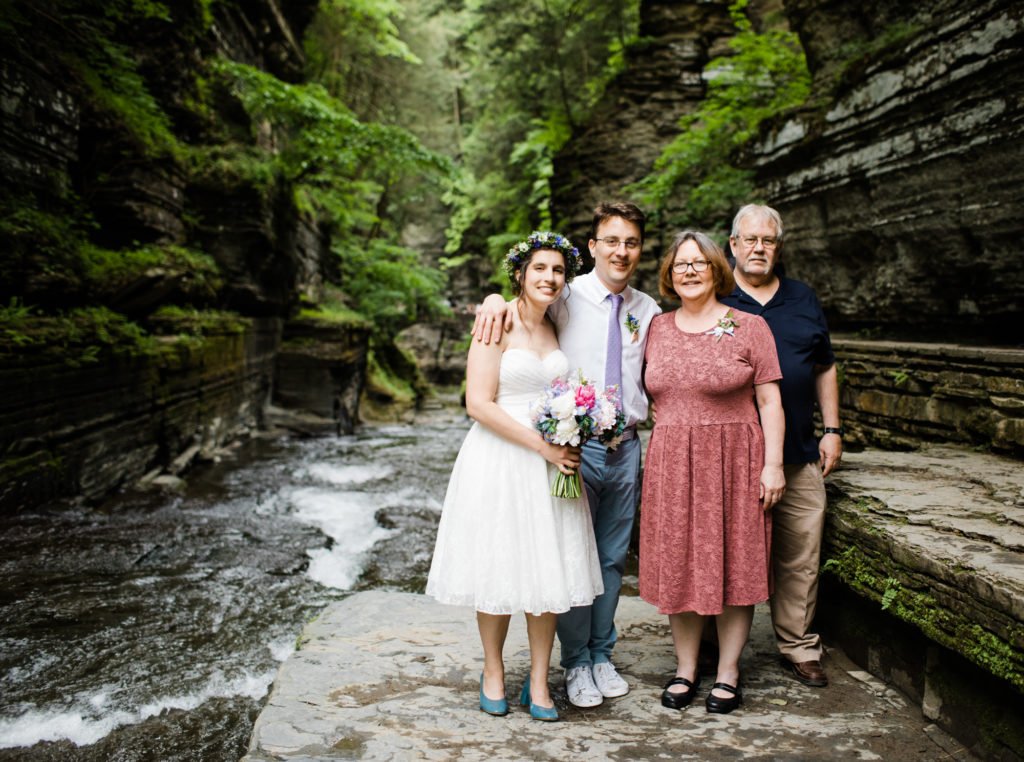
[
  {"x": 726, "y": 325},
  {"x": 633, "y": 326}
]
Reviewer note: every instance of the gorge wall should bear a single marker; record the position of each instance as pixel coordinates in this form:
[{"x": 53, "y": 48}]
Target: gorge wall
[
  {"x": 638, "y": 115},
  {"x": 898, "y": 180},
  {"x": 91, "y": 182},
  {"x": 900, "y": 183}
]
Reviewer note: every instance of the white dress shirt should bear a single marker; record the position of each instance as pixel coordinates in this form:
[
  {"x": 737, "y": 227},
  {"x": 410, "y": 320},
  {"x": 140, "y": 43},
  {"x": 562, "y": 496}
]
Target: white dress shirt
[{"x": 581, "y": 316}]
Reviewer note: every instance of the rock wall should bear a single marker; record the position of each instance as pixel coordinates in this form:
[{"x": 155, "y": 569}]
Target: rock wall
[
  {"x": 928, "y": 548},
  {"x": 900, "y": 394},
  {"x": 68, "y": 428},
  {"x": 639, "y": 114},
  {"x": 321, "y": 370},
  {"x": 90, "y": 429},
  {"x": 900, "y": 183}
]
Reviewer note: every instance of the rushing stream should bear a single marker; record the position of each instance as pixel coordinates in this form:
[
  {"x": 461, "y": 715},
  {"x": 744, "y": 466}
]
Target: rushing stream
[{"x": 151, "y": 627}]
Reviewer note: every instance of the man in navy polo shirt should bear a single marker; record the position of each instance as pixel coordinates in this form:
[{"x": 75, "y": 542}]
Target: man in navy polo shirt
[{"x": 794, "y": 314}]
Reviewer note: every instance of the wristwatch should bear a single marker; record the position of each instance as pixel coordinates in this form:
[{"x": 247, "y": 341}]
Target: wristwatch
[{"x": 833, "y": 430}]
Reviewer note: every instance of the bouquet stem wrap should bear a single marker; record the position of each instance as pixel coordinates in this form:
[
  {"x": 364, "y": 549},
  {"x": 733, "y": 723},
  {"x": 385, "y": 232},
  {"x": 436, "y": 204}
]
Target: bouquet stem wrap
[{"x": 567, "y": 486}]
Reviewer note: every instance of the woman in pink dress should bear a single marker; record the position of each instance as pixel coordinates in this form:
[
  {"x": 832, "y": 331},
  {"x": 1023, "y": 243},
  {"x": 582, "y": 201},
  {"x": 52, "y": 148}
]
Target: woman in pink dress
[{"x": 713, "y": 468}]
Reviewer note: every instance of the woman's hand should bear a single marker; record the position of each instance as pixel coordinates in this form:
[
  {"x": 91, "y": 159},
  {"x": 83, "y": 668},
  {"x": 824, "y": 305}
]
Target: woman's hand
[
  {"x": 773, "y": 485},
  {"x": 564, "y": 457}
]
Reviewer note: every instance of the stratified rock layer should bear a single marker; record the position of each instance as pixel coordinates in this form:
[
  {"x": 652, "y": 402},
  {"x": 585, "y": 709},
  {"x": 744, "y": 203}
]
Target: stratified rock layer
[
  {"x": 321, "y": 370},
  {"x": 900, "y": 394},
  {"x": 89, "y": 429},
  {"x": 901, "y": 189},
  {"x": 935, "y": 538}
]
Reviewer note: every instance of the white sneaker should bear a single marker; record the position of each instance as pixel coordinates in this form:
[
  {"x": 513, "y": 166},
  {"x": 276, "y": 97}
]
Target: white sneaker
[
  {"x": 579, "y": 684},
  {"x": 608, "y": 681}
]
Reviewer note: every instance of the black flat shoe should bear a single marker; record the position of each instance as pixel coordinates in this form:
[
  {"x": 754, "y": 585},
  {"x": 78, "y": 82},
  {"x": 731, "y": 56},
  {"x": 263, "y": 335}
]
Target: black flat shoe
[
  {"x": 718, "y": 705},
  {"x": 674, "y": 700}
]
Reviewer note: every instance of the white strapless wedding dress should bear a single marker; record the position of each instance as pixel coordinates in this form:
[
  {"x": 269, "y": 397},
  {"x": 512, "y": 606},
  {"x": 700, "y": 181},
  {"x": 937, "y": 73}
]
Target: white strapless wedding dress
[{"x": 504, "y": 544}]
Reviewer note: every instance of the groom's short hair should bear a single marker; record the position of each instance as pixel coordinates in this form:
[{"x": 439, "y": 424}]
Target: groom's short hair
[{"x": 624, "y": 209}]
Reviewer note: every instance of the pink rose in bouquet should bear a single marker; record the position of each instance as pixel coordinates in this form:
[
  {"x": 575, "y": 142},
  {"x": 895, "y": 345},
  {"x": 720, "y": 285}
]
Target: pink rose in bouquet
[{"x": 570, "y": 413}]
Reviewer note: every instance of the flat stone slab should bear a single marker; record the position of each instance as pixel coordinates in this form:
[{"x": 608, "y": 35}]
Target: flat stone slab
[
  {"x": 937, "y": 536},
  {"x": 388, "y": 675}
]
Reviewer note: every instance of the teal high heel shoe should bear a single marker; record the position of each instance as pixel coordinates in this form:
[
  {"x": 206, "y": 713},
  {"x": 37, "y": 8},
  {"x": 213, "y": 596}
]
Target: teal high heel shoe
[
  {"x": 542, "y": 713},
  {"x": 497, "y": 707}
]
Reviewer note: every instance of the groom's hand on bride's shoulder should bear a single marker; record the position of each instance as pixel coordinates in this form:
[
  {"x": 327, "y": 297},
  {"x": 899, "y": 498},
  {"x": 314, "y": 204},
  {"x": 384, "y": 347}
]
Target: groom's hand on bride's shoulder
[{"x": 492, "y": 317}]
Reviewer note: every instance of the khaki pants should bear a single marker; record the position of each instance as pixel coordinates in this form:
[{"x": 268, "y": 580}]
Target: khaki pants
[{"x": 797, "y": 524}]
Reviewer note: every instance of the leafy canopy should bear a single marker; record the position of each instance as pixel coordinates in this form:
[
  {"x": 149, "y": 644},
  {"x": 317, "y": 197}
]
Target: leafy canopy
[
  {"x": 343, "y": 169},
  {"x": 532, "y": 72}
]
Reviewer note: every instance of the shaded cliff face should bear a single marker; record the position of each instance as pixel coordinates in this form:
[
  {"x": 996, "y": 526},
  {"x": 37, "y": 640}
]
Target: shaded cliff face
[
  {"x": 68, "y": 138},
  {"x": 901, "y": 189},
  {"x": 638, "y": 115},
  {"x": 111, "y": 139}
]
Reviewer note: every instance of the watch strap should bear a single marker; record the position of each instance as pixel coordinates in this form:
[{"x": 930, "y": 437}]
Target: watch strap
[{"x": 834, "y": 430}]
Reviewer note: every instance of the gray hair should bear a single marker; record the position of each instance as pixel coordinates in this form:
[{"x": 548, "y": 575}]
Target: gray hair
[{"x": 759, "y": 210}]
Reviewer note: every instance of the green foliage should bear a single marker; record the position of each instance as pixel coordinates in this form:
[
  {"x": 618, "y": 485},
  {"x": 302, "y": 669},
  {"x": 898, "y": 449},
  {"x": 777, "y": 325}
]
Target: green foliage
[
  {"x": 322, "y": 140},
  {"x": 698, "y": 180},
  {"x": 106, "y": 270},
  {"x": 385, "y": 383},
  {"x": 89, "y": 38},
  {"x": 534, "y": 72},
  {"x": 87, "y": 334},
  {"x": 892, "y": 589},
  {"x": 50, "y": 233},
  {"x": 347, "y": 44},
  {"x": 232, "y": 165},
  {"x": 343, "y": 170},
  {"x": 76, "y": 337},
  {"x": 53, "y": 245},
  {"x": 899, "y": 377},
  {"x": 388, "y": 285},
  {"x": 172, "y": 319},
  {"x": 877, "y": 578},
  {"x": 334, "y": 308}
]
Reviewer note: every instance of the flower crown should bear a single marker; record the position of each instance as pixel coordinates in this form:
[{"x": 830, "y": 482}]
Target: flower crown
[{"x": 542, "y": 239}]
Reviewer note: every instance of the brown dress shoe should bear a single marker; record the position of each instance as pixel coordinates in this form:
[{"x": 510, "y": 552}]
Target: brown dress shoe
[{"x": 809, "y": 673}]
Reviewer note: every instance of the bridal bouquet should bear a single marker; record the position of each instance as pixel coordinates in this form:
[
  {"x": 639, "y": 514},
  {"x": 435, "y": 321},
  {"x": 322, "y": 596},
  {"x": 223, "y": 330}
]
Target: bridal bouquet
[{"x": 570, "y": 413}]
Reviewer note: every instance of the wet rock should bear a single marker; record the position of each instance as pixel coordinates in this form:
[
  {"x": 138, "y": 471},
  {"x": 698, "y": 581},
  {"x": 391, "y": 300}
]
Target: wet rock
[
  {"x": 928, "y": 541},
  {"x": 384, "y": 675},
  {"x": 320, "y": 371},
  {"x": 89, "y": 430},
  {"x": 439, "y": 349}
]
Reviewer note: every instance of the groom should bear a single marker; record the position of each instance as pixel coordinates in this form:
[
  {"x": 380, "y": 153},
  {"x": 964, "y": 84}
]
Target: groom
[{"x": 602, "y": 327}]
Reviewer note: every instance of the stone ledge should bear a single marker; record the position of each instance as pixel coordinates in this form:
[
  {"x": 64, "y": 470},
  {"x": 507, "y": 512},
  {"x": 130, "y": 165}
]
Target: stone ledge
[
  {"x": 935, "y": 538},
  {"x": 387, "y": 675}
]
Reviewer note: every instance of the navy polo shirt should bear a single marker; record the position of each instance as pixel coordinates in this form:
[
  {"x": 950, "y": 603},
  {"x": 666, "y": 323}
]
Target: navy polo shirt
[{"x": 801, "y": 338}]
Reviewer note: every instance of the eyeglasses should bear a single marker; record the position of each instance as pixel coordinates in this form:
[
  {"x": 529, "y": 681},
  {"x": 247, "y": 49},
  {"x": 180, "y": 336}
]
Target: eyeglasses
[
  {"x": 698, "y": 265},
  {"x": 768, "y": 242},
  {"x": 612, "y": 242}
]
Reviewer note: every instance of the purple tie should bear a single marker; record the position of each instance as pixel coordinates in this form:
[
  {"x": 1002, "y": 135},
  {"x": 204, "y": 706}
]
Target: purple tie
[{"x": 613, "y": 353}]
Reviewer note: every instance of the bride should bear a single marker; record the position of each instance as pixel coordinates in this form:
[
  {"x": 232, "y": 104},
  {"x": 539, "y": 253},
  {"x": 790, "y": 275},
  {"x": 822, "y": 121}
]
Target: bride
[{"x": 504, "y": 544}]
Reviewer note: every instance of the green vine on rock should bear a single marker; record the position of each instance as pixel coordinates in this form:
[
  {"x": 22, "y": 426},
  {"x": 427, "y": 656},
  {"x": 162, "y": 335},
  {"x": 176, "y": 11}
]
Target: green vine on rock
[{"x": 699, "y": 179}]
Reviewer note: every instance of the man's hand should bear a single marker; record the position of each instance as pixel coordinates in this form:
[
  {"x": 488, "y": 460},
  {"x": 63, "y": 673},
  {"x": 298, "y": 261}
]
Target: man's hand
[
  {"x": 492, "y": 317},
  {"x": 830, "y": 448}
]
